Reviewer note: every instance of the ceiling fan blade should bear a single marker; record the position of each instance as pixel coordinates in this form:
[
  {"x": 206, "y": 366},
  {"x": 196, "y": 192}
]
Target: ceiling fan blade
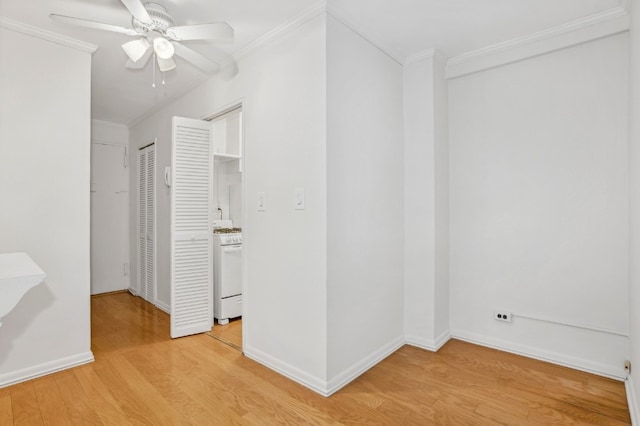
[
  {"x": 93, "y": 25},
  {"x": 196, "y": 59},
  {"x": 137, "y": 10},
  {"x": 217, "y": 30},
  {"x": 140, "y": 63}
]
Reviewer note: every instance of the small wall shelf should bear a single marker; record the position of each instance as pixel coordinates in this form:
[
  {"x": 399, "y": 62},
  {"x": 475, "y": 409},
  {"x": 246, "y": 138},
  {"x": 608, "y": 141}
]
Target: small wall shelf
[{"x": 222, "y": 157}]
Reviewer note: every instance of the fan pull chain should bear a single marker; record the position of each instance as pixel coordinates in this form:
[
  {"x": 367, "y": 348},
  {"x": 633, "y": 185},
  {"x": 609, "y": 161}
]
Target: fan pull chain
[
  {"x": 163, "y": 78},
  {"x": 153, "y": 83}
]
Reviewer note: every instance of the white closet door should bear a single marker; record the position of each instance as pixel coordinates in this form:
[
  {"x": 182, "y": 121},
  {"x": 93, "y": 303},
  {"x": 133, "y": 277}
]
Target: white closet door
[
  {"x": 146, "y": 224},
  {"x": 150, "y": 288},
  {"x": 191, "y": 235}
]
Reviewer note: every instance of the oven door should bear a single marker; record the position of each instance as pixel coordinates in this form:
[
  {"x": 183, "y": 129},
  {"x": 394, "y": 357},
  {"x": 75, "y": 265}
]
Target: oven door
[{"x": 230, "y": 270}]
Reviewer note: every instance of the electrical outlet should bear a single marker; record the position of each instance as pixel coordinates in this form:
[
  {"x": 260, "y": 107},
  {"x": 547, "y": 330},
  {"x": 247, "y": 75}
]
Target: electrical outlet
[{"x": 502, "y": 316}]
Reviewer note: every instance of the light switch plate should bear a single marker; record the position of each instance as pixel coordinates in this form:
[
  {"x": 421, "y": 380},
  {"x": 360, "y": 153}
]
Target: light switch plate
[
  {"x": 298, "y": 199},
  {"x": 262, "y": 202}
]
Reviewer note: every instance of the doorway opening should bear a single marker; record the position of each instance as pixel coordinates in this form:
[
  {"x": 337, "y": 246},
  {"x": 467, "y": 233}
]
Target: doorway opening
[{"x": 226, "y": 203}]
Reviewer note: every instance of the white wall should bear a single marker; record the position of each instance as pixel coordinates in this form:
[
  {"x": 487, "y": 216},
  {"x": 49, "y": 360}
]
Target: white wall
[
  {"x": 426, "y": 203},
  {"x": 283, "y": 88},
  {"x": 109, "y": 207},
  {"x": 539, "y": 204},
  {"x": 441, "y": 200},
  {"x": 227, "y": 192},
  {"x": 44, "y": 188},
  {"x": 633, "y": 392},
  {"x": 365, "y": 188}
]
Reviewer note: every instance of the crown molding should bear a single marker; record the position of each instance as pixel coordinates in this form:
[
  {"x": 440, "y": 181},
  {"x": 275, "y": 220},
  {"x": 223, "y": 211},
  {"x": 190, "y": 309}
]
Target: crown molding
[
  {"x": 36, "y": 32},
  {"x": 279, "y": 31},
  {"x": 626, "y": 5},
  {"x": 425, "y": 54},
  {"x": 366, "y": 33},
  {"x": 592, "y": 27}
]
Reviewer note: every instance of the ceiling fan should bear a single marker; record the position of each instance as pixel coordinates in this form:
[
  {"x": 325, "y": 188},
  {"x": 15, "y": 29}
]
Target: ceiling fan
[{"x": 158, "y": 37}]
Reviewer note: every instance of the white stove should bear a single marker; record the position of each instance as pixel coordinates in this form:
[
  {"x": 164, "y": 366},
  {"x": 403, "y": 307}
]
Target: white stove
[
  {"x": 229, "y": 239},
  {"x": 227, "y": 271}
]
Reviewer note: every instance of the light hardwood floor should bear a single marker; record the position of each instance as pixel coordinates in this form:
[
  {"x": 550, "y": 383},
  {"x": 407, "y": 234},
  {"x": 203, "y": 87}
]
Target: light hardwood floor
[
  {"x": 142, "y": 377},
  {"x": 231, "y": 334}
]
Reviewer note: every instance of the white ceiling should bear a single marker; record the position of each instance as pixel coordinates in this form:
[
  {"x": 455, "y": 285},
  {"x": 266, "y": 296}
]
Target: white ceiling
[{"x": 402, "y": 27}]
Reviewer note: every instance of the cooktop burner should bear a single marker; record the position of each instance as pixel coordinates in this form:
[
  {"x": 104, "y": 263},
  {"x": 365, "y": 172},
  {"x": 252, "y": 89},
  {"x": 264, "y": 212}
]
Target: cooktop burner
[{"x": 227, "y": 230}]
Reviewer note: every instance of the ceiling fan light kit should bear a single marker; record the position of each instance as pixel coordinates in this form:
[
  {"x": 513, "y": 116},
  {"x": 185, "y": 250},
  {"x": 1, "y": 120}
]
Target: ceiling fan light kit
[
  {"x": 163, "y": 48},
  {"x": 166, "y": 64},
  {"x": 136, "y": 49},
  {"x": 154, "y": 26}
]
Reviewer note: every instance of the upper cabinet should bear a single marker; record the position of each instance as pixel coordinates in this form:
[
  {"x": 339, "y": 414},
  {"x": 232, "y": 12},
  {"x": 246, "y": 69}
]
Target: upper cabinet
[{"x": 227, "y": 136}]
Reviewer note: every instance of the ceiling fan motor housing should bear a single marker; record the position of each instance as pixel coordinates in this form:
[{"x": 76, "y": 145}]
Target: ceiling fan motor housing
[{"x": 161, "y": 20}]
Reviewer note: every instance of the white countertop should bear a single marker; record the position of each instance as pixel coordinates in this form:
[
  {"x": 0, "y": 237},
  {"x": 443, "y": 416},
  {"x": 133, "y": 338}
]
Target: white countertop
[
  {"x": 14, "y": 265},
  {"x": 18, "y": 274}
]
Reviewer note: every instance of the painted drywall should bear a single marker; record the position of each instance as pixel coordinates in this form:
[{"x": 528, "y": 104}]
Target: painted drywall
[
  {"x": 633, "y": 391},
  {"x": 282, "y": 86},
  {"x": 365, "y": 189},
  {"x": 539, "y": 204},
  {"x": 426, "y": 203},
  {"x": 109, "y": 207},
  {"x": 44, "y": 175}
]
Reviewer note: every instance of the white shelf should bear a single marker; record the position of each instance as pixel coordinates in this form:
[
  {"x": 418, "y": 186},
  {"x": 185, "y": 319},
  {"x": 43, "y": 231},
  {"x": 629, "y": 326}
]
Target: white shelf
[
  {"x": 218, "y": 156},
  {"x": 18, "y": 274}
]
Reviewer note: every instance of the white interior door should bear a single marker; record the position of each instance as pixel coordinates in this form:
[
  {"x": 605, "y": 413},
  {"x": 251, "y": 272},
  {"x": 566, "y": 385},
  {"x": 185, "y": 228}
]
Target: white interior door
[
  {"x": 109, "y": 222},
  {"x": 191, "y": 234},
  {"x": 146, "y": 223}
]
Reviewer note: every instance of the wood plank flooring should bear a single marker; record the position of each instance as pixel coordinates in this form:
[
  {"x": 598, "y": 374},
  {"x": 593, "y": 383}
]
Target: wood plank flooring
[
  {"x": 140, "y": 376},
  {"x": 231, "y": 334}
]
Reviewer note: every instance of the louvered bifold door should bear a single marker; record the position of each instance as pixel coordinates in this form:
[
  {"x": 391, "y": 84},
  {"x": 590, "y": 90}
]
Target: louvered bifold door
[
  {"x": 149, "y": 265},
  {"x": 142, "y": 222},
  {"x": 191, "y": 236},
  {"x": 146, "y": 223}
]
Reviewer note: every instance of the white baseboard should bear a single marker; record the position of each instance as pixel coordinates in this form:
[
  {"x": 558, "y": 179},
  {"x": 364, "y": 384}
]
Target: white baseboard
[
  {"x": 632, "y": 401},
  {"x": 581, "y": 364},
  {"x": 163, "y": 306},
  {"x": 432, "y": 345},
  {"x": 357, "y": 369},
  {"x": 305, "y": 379},
  {"x": 45, "y": 368},
  {"x": 322, "y": 387}
]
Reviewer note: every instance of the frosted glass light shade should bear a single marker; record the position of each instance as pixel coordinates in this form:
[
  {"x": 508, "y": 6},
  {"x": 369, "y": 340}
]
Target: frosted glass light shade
[
  {"x": 163, "y": 48},
  {"x": 136, "y": 49},
  {"x": 166, "y": 64}
]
